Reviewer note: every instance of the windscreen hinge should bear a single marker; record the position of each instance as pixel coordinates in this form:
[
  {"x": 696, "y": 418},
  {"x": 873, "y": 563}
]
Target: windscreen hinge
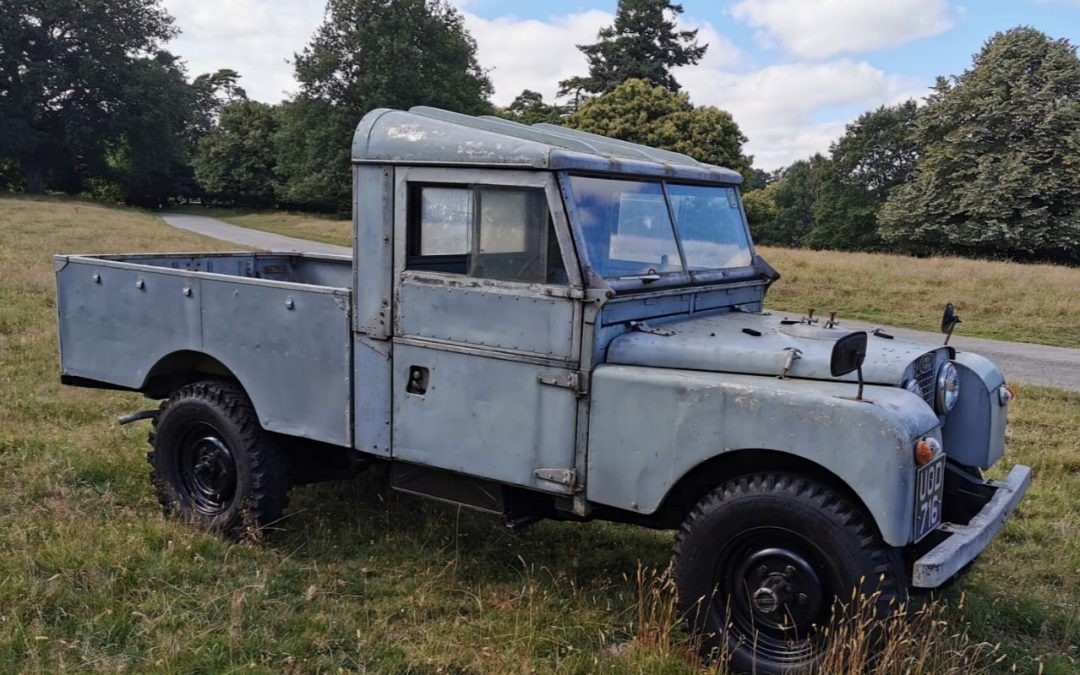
[{"x": 571, "y": 380}]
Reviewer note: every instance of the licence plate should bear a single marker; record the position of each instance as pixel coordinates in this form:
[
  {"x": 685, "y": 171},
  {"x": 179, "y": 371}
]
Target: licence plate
[{"x": 929, "y": 488}]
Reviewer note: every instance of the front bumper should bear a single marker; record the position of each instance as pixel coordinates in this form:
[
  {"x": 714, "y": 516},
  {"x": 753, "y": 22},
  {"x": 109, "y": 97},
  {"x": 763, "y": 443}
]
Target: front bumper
[{"x": 965, "y": 542}]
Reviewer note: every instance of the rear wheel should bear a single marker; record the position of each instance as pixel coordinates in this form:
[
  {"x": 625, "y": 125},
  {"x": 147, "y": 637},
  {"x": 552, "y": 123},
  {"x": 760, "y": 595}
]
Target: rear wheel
[
  {"x": 764, "y": 561},
  {"x": 212, "y": 464}
]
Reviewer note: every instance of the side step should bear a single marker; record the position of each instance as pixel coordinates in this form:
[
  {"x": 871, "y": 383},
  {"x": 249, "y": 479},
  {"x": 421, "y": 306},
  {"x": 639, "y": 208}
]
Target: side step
[{"x": 447, "y": 486}]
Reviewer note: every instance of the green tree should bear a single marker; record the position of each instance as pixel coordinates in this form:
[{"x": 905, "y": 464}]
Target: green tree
[
  {"x": 369, "y": 54},
  {"x": 210, "y": 93},
  {"x": 783, "y": 212},
  {"x": 998, "y": 172},
  {"x": 148, "y": 155},
  {"x": 761, "y": 213},
  {"x": 877, "y": 152},
  {"x": 312, "y": 148},
  {"x": 236, "y": 160},
  {"x": 529, "y": 108},
  {"x": 642, "y": 44},
  {"x": 638, "y": 112},
  {"x": 64, "y": 68}
]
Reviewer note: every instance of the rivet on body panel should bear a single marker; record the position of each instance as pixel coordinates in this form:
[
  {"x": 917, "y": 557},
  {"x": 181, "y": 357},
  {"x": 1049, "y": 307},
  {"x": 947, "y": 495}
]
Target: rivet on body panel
[
  {"x": 289, "y": 304},
  {"x": 140, "y": 284},
  {"x": 186, "y": 291},
  {"x": 97, "y": 278}
]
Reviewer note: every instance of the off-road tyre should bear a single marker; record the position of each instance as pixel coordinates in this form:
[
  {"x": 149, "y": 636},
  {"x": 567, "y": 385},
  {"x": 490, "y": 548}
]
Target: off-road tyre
[
  {"x": 761, "y": 541},
  {"x": 200, "y": 433}
]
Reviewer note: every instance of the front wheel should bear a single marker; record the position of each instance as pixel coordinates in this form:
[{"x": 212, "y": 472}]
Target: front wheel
[
  {"x": 763, "y": 563},
  {"x": 212, "y": 464}
]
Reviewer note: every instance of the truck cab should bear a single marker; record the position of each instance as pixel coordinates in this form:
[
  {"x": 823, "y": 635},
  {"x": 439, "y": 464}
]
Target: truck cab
[{"x": 544, "y": 323}]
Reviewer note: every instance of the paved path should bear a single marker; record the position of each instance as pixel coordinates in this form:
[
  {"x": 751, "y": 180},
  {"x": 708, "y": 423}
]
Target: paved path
[
  {"x": 1034, "y": 364},
  {"x": 212, "y": 227},
  {"x": 1021, "y": 362}
]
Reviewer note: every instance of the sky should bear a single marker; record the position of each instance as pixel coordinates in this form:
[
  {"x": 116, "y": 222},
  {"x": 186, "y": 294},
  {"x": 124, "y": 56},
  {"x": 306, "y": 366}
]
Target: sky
[{"x": 791, "y": 72}]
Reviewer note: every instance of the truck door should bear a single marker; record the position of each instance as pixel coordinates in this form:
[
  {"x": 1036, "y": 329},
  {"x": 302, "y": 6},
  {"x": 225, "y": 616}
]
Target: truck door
[{"x": 487, "y": 326}]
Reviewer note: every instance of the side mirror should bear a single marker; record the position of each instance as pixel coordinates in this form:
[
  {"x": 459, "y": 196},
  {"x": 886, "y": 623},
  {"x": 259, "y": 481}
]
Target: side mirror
[
  {"x": 848, "y": 354},
  {"x": 948, "y": 321}
]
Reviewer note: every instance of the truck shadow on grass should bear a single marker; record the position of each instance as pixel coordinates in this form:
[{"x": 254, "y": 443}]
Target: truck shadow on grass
[{"x": 346, "y": 521}]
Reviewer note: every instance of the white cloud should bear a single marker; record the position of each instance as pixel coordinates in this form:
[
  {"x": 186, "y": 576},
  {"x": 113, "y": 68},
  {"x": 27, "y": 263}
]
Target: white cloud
[
  {"x": 821, "y": 28},
  {"x": 531, "y": 54},
  {"x": 788, "y": 111},
  {"x": 779, "y": 107},
  {"x": 254, "y": 37},
  {"x": 537, "y": 55}
]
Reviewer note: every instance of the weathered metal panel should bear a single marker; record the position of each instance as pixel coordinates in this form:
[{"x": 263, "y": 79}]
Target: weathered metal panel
[
  {"x": 649, "y": 426},
  {"x": 438, "y": 137},
  {"x": 290, "y": 350},
  {"x": 749, "y": 297},
  {"x": 287, "y": 343},
  {"x": 488, "y": 417},
  {"x": 372, "y": 387},
  {"x": 974, "y": 432},
  {"x": 332, "y": 272},
  {"x": 487, "y": 315},
  {"x": 373, "y": 195},
  {"x": 114, "y": 330},
  {"x": 631, "y": 309},
  {"x": 741, "y": 342},
  {"x": 328, "y": 271}
]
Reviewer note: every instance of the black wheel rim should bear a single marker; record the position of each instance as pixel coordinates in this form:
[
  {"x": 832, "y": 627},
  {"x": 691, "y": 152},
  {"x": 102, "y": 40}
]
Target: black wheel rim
[
  {"x": 206, "y": 469},
  {"x": 775, "y": 593}
]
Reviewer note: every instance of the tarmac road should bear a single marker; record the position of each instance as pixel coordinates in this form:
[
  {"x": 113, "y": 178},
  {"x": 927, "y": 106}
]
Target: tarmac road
[{"x": 1021, "y": 362}]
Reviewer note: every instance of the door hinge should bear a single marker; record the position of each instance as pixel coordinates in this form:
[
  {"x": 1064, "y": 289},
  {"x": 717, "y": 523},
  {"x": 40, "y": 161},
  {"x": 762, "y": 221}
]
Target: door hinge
[
  {"x": 560, "y": 476},
  {"x": 567, "y": 380}
]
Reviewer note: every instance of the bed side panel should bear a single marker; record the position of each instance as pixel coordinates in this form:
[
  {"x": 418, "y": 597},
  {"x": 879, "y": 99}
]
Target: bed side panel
[
  {"x": 290, "y": 350},
  {"x": 114, "y": 328}
]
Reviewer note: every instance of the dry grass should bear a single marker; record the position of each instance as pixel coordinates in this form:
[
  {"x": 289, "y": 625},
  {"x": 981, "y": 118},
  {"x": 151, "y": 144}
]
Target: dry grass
[
  {"x": 92, "y": 577},
  {"x": 997, "y": 300}
]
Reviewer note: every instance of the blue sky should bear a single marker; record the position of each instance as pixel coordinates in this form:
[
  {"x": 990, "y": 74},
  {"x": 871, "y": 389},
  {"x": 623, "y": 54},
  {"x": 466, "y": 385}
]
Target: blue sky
[{"x": 792, "y": 72}]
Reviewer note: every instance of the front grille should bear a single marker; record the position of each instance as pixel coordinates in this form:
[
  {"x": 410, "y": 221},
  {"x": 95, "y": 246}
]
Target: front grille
[{"x": 924, "y": 375}]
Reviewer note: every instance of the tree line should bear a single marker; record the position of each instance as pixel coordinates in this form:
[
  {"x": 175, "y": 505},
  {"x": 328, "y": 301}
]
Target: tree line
[
  {"x": 988, "y": 166},
  {"x": 92, "y": 102}
]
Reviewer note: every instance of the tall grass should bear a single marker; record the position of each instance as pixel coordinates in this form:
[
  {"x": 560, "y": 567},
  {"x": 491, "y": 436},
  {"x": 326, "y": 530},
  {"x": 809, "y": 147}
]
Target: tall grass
[{"x": 925, "y": 637}]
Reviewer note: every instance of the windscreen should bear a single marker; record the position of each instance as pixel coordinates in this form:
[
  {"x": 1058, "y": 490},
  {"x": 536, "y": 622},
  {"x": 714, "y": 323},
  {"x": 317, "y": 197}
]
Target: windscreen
[
  {"x": 626, "y": 226},
  {"x": 710, "y": 225},
  {"x": 628, "y": 230}
]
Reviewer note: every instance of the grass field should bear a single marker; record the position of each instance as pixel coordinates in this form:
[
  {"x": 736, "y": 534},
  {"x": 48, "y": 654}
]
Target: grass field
[
  {"x": 997, "y": 300},
  {"x": 92, "y": 577}
]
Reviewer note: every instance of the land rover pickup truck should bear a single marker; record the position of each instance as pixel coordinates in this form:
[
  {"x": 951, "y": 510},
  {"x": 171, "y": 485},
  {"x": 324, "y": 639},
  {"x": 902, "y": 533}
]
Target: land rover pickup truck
[{"x": 544, "y": 323}]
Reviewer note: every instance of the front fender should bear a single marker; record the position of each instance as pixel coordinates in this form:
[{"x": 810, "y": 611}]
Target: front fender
[{"x": 649, "y": 427}]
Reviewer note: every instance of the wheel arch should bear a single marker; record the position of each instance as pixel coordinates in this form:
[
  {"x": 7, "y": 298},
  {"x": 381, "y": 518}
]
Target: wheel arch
[
  {"x": 180, "y": 368},
  {"x": 702, "y": 478}
]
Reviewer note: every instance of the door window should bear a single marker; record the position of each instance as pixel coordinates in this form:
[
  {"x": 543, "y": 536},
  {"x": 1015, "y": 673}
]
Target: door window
[{"x": 484, "y": 232}]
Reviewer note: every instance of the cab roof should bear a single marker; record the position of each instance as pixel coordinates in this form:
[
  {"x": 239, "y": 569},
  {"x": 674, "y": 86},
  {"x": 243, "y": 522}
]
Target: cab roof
[{"x": 430, "y": 136}]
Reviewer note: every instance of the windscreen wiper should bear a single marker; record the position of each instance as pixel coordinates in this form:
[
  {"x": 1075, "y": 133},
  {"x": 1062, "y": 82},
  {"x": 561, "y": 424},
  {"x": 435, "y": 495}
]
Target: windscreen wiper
[{"x": 646, "y": 278}]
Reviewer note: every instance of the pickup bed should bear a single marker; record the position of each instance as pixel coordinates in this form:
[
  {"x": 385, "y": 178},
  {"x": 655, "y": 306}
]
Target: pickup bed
[{"x": 280, "y": 322}]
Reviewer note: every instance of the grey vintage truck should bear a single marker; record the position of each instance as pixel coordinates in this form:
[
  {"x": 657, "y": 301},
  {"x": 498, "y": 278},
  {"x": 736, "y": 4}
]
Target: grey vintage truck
[{"x": 544, "y": 323}]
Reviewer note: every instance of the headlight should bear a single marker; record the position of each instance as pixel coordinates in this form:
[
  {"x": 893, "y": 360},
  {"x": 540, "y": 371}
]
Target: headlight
[
  {"x": 948, "y": 387},
  {"x": 913, "y": 386}
]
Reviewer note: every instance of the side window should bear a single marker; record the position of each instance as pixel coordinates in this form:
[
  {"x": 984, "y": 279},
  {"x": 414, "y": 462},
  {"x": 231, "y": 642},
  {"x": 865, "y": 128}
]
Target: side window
[
  {"x": 445, "y": 221},
  {"x": 484, "y": 232}
]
